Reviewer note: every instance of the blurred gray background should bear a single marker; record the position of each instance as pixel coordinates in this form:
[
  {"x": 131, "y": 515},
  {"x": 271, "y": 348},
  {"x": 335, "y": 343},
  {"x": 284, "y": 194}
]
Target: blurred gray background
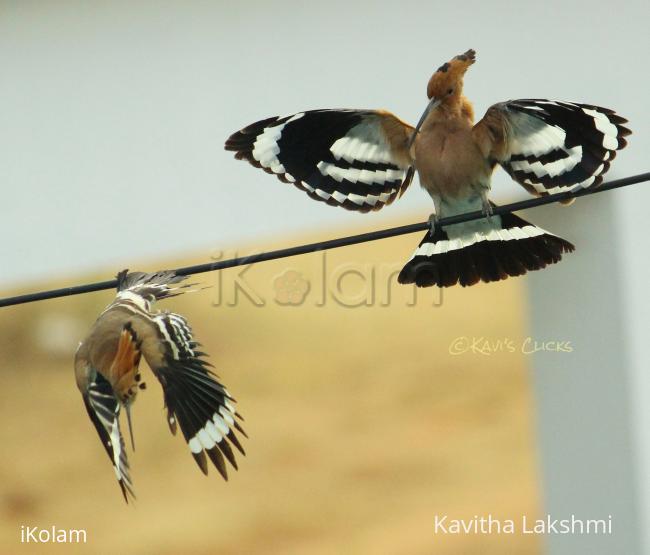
[{"x": 113, "y": 121}]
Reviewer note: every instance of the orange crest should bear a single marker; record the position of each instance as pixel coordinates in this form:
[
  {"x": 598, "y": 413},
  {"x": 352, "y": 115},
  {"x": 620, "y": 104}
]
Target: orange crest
[{"x": 447, "y": 78}]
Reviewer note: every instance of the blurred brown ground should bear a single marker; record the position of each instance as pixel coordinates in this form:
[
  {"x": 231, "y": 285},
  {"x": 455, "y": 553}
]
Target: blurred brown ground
[{"x": 362, "y": 426}]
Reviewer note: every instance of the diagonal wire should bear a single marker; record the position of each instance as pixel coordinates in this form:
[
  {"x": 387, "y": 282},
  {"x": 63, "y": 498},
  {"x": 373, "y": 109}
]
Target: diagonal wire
[{"x": 332, "y": 243}]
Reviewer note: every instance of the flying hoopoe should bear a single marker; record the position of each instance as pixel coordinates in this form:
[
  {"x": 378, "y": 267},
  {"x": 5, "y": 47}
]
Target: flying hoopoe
[
  {"x": 106, "y": 369},
  {"x": 364, "y": 159}
]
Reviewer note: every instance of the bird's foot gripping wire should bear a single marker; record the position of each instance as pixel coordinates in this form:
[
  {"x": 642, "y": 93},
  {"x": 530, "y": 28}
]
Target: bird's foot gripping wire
[
  {"x": 434, "y": 220},
  {"x": 487, "y": 208}
]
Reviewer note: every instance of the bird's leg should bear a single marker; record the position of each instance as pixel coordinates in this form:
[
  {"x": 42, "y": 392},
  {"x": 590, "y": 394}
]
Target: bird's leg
[
  {"x": 433, "y": 222},
  {"x": 487, "y": 206},
  {"x": 434, "y": 218}
]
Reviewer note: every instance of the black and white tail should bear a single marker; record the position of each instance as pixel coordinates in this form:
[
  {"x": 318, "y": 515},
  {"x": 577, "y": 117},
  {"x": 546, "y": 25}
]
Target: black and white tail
[{"x": 482, "y": 250}]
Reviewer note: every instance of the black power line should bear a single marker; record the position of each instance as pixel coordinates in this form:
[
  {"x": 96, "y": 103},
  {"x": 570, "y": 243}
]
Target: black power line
[{"x": 332, "y": 243}]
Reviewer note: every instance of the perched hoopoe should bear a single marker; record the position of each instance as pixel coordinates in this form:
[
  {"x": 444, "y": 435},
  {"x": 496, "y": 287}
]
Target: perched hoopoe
[
  {"x": 106, "y": 369},
  {"x": 364, "y": 159}
]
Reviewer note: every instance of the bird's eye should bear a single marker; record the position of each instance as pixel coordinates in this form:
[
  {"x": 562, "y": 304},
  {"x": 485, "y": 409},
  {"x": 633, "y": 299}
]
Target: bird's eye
[{"x": 450, "y": 91}]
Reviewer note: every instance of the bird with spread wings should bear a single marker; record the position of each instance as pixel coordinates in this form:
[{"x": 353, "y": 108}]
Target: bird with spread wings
[
  {"x": 363, "y": 160},
  {"x": 108, "y": 376}
]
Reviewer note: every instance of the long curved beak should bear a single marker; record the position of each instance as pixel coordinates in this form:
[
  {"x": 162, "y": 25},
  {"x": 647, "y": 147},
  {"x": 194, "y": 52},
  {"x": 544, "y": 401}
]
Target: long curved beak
[
  {"x": 128, "y": 419},
  {"x": 433, "y": 104}
]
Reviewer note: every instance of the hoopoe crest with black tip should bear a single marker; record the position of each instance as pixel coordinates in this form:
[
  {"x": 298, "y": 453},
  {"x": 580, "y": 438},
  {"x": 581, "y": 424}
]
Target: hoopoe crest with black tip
[
  {"x": 108, "y": 376},
  {"x": 364, "y": 159}
]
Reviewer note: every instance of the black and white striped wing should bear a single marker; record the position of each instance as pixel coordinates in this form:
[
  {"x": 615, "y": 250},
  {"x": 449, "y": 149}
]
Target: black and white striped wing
[
  {"x": 357, "y": 159},
  {"x": 554, "y": 146},
  {"x": 104, "y": 411},
  {"x": 194, "y": 398}
]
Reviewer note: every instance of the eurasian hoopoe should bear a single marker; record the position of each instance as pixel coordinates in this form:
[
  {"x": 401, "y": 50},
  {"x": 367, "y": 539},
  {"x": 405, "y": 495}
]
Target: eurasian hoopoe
[
  {"x": 106, "y": 369},
  {"x": 364, "y": 159}
]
